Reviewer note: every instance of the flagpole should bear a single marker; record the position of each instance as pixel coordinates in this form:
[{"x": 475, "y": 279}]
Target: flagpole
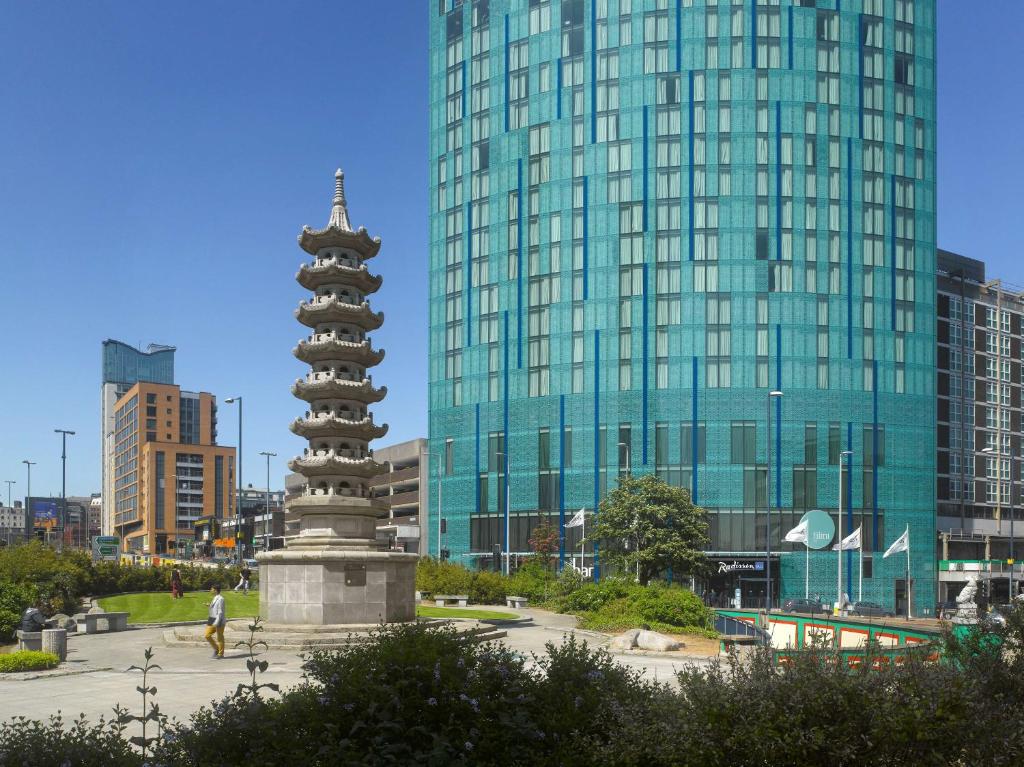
[
  {"x": 583, "y": 543},
  {"x": 860, "y": 574},
  {"x": 908, "y": 571},
  {"x": 839, "y": 576},
  {"x": 807, "y": 571}
]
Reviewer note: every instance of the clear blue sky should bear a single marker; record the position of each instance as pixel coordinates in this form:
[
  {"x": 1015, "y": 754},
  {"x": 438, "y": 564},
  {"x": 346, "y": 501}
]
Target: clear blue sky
[{"x": 157, "y": 161}]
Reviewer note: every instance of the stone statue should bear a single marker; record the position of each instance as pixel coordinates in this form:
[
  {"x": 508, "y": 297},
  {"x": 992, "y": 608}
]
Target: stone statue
[{"x": 966, "y": 608}]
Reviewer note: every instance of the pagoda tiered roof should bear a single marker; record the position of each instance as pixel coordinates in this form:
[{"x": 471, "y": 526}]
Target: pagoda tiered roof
[
  {"x": 313, "y": 276},
  {"x": 338, "y": 388},
  {"x": 331, "y": 309},
  {"x": 313, "y": 350}
]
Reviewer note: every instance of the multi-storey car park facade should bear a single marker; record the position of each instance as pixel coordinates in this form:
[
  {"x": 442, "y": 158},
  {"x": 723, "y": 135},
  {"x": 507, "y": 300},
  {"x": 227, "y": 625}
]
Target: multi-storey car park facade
[{"x": 646, "y": 216}]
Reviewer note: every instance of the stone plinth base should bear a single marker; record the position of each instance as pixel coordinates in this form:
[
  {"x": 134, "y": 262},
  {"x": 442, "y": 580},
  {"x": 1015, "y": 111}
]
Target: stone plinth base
[{"x": 325, "y": 587}]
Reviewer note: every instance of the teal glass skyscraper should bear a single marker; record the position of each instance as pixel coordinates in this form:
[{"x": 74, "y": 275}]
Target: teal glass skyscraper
[{"x": 648, "y": 215}]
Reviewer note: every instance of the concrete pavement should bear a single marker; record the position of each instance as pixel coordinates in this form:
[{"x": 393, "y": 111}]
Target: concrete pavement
[{"x": 189, "y": 678}]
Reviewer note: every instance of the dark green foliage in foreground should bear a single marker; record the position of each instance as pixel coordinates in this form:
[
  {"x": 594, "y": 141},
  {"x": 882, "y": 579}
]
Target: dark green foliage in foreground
[
  {"x": 418, "y": 695},
  {"x": 616, "y": 604}
]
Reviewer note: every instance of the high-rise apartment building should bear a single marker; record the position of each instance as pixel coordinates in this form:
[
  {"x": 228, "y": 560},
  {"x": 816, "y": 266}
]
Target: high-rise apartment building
[
  {"x": 124, "y": 366},
  {"x": 979, "y": 386},
  {"x": 647, "y": 216},
  {"x": 168, "y": 469}
]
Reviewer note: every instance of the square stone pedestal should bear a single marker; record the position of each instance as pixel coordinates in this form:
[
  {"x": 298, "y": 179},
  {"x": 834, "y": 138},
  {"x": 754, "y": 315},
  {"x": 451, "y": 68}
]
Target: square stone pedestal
[{"x": 325, "y": 587}]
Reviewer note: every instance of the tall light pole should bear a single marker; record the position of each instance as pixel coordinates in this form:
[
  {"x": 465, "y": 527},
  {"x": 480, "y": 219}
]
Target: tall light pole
[
  {"x": 28, "y": 490},
  {"x": 508, "y": 498},
  {"x": 9, "y": 483},
  {"x": 267, "y": 516},
  {"x": 839, "y": 578},
  {"x": 772, "y": 396},
  {"x": 238, "y": 500},
  {"x": 999, "y": 491},
  {"x": 63, "y": 479}
]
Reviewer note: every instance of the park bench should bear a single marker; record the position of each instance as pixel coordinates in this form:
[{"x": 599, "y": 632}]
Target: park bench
[
  {"x": 113, "y": 622},
  {"x": 30, "y": 640},
  {"x": 516, "y": 602},
  {"x": 442, "y": 599}
]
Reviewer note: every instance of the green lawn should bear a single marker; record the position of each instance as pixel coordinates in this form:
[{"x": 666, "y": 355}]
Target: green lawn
[{"x": 158, "y": 607}]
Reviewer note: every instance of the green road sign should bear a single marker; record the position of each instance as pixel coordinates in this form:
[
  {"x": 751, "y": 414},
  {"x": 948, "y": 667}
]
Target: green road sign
[{"x": 820, "y": 528}]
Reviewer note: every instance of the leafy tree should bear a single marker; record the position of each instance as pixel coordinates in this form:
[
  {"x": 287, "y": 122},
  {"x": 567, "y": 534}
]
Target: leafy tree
[
  {"x": 544, "y": 540},
  {"x": 649, "y": 526}
]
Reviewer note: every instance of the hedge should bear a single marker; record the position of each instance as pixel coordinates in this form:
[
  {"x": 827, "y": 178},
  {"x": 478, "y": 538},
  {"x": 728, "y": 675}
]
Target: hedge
[{"x": 27, "y": 660}]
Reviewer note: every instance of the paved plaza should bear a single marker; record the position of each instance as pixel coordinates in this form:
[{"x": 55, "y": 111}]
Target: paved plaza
[{"x": 95, "y": 678}]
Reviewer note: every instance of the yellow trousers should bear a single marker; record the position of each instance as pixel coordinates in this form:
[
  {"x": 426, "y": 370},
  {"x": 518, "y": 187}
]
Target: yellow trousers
[{"x": 218, "y": 645}]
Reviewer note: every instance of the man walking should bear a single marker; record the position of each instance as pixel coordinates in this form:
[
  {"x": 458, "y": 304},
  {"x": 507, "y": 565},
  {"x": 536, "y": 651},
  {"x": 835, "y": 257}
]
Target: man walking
[
  {"x": 243, "y": 580},
  {"x": 215, "y": 622}
]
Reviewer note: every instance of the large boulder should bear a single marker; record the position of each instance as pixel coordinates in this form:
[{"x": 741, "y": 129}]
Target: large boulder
[
  {"x": 626, "y": 641},
  {"x": 652, "y": 640}
]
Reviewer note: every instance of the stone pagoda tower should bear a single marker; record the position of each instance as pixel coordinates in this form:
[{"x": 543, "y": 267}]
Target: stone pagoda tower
[{"x": 333, "y": 572}]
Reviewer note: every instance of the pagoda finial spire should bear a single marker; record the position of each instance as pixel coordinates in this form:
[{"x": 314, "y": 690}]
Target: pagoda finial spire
[{"x": 339, "y": 211}]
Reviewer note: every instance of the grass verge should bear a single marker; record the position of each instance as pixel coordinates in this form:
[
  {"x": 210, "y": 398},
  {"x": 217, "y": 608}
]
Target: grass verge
[{"x": 159, "y": 607}]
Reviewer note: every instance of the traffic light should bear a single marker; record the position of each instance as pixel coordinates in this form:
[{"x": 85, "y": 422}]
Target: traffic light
[
  {"x": 445, "y": 554},
  {"x": 496, "y": 557},
  {"x": 444, "y": 525}
]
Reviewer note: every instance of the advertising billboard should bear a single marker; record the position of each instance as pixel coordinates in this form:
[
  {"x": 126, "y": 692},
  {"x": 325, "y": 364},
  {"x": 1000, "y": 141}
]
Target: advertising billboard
[{"x": 44, "y": 513}]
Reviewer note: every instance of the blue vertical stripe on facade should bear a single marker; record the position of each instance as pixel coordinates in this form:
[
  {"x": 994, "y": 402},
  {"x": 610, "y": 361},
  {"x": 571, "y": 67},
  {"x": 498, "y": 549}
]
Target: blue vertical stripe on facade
[
  {"x": 778, "y": 181},
  {"x": 753, "y": 34},
  {"x": 690, "y": 182},
  {"x": 506, "y": 73},
  {"x": 476, "y": 453},
  {"x": 519, "y": 264},
  {"x": 849, "y": 249},
  {"x": 778, "y": 416},
  {"x": 593, "y": 71},
  {"x": 646, "y": 365},
  {"x": 597, "y": 435},
  {"x": 679, "y": 35},
  {"x": 892, "y": 247},
  {"x": 874, "y": 455},
  {"x": 558, "y": 89},
  {"x": 694, "y": 431},
  {"x": 860, "y": 76},
  {"x": 508, "y": 443},
  {"x": 849, "y": 505},
  {"x": 561, "y": 481},
  {"x": 645, "y": 181},
  {"x": 586, "y": 240},
  {"x": 790, "y": 35},
  {"x": 469, "y": 274}
]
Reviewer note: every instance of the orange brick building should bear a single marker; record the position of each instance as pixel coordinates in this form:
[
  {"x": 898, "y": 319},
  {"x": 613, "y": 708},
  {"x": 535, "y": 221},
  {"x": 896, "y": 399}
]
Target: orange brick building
[{"x": 169, "y": 470}]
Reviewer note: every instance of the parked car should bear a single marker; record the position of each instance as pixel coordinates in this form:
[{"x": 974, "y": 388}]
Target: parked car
[
  {"x": 871, "y": 610},
  {"x": 810, "y": 606},
  {"x": 252, "y": 564},
  {"x": 945, "y": 610}
]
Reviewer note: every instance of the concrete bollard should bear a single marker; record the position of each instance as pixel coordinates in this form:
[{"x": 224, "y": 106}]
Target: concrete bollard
[{"x": 56, "y": 641}]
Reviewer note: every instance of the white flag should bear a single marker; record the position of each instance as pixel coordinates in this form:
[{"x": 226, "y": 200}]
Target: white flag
[
  {"x": 900, "y": 544},
  {"x": 852, "y": 541},
  {"x": 798, "y": 534},
  {"x": 577, "y": 520}
]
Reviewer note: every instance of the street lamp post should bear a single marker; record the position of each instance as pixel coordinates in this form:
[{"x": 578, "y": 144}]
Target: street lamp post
[
  {"x": 9, "y": 483},
  {"x": 999, "y": 491},
  {"x": 28, "y": 489},
  {"x": 267, "y": 516},
  {"x": 63, "y": 479},
  {"x": 508, "y": 499},
  {"x": 238, "y": 500},
  {"x": 629, "y": 473},
  {"x": 772, "y": 395}
]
